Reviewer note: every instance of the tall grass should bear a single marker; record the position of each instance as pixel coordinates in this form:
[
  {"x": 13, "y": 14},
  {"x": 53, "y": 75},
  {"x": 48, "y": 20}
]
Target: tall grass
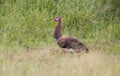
[{"x": 27, "y": 22}]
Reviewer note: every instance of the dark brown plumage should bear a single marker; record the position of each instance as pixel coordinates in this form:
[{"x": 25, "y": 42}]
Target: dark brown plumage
[{"x": 67, "y": 42}]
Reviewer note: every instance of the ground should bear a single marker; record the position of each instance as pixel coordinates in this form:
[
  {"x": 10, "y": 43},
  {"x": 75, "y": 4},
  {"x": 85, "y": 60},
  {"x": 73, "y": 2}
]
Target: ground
[{"x": 50, "y": 61}]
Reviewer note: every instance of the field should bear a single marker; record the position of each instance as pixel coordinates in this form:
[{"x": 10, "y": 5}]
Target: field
[{"x": 27, "y": 46}]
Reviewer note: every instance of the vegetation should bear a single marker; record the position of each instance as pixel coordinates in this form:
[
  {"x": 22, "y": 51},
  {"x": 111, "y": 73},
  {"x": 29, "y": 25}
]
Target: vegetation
[{"x": 26, "y": 37}]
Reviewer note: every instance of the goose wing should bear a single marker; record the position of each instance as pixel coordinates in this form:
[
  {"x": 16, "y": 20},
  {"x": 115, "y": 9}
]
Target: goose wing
[{"x": 70, "y": 42}]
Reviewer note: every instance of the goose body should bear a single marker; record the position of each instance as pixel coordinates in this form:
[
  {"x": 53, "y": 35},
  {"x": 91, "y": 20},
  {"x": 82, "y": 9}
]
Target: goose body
[{"x": 67, "y": 42}]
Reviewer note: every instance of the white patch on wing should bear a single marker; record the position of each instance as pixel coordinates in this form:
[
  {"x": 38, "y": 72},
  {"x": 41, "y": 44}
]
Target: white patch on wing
[{"x": 71, "y": 50}]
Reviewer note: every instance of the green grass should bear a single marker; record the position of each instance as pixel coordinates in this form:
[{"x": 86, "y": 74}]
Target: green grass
[
  {"x": 27, "y": 23},
  {"x": 26, "y": 37}
]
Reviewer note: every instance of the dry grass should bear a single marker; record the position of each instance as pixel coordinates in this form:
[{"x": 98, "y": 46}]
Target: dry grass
[{"x": 51, "y": 62}]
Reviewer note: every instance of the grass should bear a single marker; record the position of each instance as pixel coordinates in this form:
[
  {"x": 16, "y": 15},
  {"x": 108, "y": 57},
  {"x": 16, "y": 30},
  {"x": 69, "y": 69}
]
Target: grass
[
  {"x": 49, "y": 62},
  {"x": 26, "y": 37}
]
